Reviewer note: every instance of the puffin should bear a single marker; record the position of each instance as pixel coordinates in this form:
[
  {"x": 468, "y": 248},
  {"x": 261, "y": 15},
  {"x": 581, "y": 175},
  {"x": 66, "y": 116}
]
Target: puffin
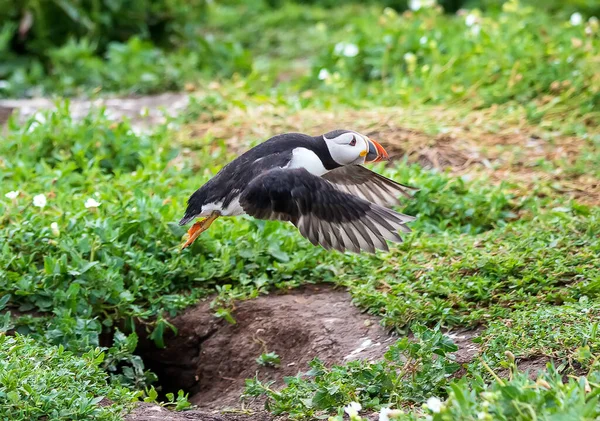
[{"x": 318, "y": 183}]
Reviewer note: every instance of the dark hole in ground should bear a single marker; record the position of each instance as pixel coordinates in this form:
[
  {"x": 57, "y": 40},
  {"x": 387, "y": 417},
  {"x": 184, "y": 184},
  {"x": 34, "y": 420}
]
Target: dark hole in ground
[{"x": 210, "y": 358}]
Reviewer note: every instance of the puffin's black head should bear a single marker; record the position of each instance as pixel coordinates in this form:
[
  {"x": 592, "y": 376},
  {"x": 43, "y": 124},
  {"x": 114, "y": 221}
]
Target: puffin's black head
[{"x": 351, "y": 148}]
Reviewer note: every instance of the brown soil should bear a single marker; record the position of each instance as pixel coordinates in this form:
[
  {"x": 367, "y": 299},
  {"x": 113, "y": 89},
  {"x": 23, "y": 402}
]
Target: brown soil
[
  {"x": 211, "y": 358},
  {"x": 144, "y": 112},
  {"x": 151, "y": 412},
  {"x": 475, "y": 145},
  {"x": 532, "y": 365}
]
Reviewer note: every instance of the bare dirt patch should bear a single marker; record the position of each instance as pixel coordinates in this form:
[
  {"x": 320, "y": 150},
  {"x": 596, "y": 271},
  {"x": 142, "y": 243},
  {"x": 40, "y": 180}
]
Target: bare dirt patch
[
  {"x": 533, "y": 366},
  {"x": 144, "y": 112},
  {"x": 211, "y": 358},
  {"x": 151, "y": 412},
  {"x": 476, "y": 144}
]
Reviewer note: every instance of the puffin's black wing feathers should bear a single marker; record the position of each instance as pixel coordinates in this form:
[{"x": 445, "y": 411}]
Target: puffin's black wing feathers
[
  {"x": 368, "y": 185},
  {"x": 322, "y": 213}
]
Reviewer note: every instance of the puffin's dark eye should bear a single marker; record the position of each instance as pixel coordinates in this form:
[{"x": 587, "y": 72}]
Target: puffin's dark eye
[{"x": 353, "y": 142}]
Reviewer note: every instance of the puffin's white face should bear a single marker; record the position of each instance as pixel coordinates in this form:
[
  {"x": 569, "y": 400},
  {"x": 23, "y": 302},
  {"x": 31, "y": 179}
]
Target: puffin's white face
[{"x": 352, "y": 148}]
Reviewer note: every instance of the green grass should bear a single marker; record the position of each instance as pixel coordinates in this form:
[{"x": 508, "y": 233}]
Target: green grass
[
  {"x": 479, "y": 252},
  {"x": 567, "y": 333},
  {"x": 414, "y": 381},
  {"x": 545, "y": 67},
  {"x": 516, "y": 257},
  {"x": 467, "y": 280},
  {"x": 46, "y": 382}
]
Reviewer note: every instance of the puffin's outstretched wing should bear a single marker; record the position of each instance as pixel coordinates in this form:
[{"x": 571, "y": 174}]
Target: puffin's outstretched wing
[
  {"x": 322, "y": 213},
  {"x": 368, "y": 185}
]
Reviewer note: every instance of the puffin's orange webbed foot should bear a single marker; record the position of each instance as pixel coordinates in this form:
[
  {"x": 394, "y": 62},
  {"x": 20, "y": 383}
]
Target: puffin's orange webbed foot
[{"x": 198, "y": 228}]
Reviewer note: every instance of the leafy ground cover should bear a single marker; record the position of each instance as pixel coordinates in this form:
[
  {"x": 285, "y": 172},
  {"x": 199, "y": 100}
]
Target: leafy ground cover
[{"x": 493, "y": 115}]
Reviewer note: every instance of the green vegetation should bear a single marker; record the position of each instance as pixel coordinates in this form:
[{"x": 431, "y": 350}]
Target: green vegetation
[
  {"x": 519, "y": 398},
  {"x": 269, "y": 359},
  {"x": 90, "y": 246},
  {"x": 42, "y": 382},
  {"x": 416, "y": 373},
  {"x": 409, "y": 373}
]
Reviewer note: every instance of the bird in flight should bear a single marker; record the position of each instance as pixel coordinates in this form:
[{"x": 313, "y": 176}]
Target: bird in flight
[{"x": 316, "y": 183}]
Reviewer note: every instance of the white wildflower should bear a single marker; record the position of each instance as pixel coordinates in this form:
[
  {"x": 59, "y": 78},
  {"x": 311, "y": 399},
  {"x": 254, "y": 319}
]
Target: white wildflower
[
  {"x": 91, "y": 203},
  {"x": 352, "y": 409},
  {"x": 420, "y": 4},
  {"x": 414, "y": 4},
  {"x": 475, "y": 29},
  {"x": 410, "y": 58},
  {"x": 39, "y": 201},
  {"x": 12, "y": 194},
  {"x": 576, "y": 19},
  {"x": 471, "y": 19},
  {"x": 423, "y": 40},
  {"x": 324, "y": 74},
  {"x": 434, "y": 404},
  {"x": 54, "y": 228},
  {"x": 38, "y": 120},
  {"x": 384, "y": 414},
  {"x": 346, "y": 49},
  {"x": 388, "y": 413}
]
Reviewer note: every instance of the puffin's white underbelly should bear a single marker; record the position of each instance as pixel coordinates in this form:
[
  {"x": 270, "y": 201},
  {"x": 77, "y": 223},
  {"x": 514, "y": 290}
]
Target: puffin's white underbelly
[
  {"x": 307, "y": 159},
  {"x": 233, "y": 209}
]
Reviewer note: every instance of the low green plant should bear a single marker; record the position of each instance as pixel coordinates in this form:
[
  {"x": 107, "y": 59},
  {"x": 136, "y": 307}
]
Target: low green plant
[
  {"x": 480, "y": 58},
  {"x": 410, "y": 372},
  {"x": 268, "y": 359},
  {"x": 519, "y": 398},
  {"x": 40, "y": 381},
  {"x": 178, "y": 403},
  {"x": 567, "y": 333},
  {"x": 472, "y": 279}
]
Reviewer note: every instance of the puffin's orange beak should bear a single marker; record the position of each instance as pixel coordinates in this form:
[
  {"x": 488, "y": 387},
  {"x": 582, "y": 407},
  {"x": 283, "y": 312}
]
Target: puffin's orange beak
[{"x": 376, "y": 152}]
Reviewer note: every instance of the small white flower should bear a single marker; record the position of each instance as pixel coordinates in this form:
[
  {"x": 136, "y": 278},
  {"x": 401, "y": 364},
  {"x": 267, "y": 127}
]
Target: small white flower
[
  {"x": 576, "y": 19},
  {"x": 471, "y": 19},
  {"x": 346, "y": 49},
  {"x": 475, "y": 29},
  {"x": 434, "y": 404},
  {"x": 39, "y": 201},
  {"x": 384, "y": 414},
  {"x": 352, "y": 409},
  {"x": 324, "y": 74},
  {"x": 481, "y": 415},
  {"x": 54, "y": 228},
  {"x": 91, "y": 203},
  {"x": 420, "y": 4},
  {"x": 12, "y": 194},
  {"x": 423, "y": 40},
  {"x": 414, "y": 4},
  {"x": 410, "y": 58}
]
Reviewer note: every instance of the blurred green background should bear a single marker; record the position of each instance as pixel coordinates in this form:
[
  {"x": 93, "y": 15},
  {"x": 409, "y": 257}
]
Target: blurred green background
[{"x": 74, "y": 47}]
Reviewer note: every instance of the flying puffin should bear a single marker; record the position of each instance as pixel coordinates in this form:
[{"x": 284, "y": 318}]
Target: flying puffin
[{"x": 316, "y": 183}]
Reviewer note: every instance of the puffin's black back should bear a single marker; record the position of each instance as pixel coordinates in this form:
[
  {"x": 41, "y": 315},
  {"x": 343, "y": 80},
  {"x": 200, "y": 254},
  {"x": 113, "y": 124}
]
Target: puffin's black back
[{"x": 235, "y": 176}]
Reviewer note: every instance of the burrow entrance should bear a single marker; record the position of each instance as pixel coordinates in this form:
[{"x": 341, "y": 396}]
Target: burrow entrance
[{"x": 210, "y": 358}]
